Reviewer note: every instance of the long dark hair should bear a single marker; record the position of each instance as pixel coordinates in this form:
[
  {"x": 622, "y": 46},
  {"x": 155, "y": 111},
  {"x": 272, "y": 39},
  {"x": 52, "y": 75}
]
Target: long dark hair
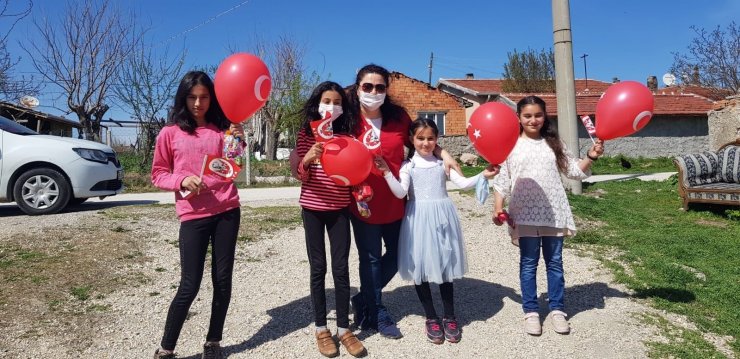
[
  {"x": 180, "y": 115},
  {"x": 389, "y": 110},
  {"x": 418, "y": 124},
  {"x": 547, "y": 131},
  {"x": 344, "y": 124}
]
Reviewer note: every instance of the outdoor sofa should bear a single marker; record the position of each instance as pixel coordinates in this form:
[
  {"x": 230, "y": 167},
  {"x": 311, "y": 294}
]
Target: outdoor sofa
[{"x": 710, "y": 177}]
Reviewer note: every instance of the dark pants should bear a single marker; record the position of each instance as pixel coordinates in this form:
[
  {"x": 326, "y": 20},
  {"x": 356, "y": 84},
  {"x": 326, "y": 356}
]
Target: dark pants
[
  {"x": 446, "y": 290},
  {"x": 220, "y": 231},
  {"x": 376, "y": 268},
  {"x": 336, "y": 224}
]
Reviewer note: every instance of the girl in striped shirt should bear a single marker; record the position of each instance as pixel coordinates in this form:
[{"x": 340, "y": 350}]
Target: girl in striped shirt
[{"x": 325, "y": 207}]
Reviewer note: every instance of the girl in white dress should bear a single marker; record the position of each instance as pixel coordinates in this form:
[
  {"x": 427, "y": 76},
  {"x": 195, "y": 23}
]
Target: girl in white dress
[{"x": 431, "y": 247}]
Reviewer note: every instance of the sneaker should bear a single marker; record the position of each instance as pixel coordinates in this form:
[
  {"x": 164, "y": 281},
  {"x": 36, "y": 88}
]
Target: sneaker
[
  {"x": 326, "y": 344},
  {"x": 435, "y": 334},
  {"x": 212, "y": 351},
  {"x": 453, "y": 333},
  {"x": 532, "y": 325},
  {"x": 559, "y": 322},
  {"x": 353, "y": 345},
  {"x": 358, "y": 309},
  {"x": 158, "y": 355},
  {"x": 388, "y": 329}
]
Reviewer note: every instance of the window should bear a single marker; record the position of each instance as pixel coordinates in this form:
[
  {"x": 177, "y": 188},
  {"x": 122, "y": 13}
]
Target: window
[{"x": 438, "y": 118}]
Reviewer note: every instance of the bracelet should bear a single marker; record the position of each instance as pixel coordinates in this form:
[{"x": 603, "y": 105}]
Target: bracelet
[{"x": 591, "y": 158}]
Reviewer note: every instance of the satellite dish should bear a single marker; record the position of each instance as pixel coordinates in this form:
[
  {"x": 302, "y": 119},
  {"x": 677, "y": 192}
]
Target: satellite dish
[
  {"x": 669, "y": 79},
  {"x": 29, "y": 101}
]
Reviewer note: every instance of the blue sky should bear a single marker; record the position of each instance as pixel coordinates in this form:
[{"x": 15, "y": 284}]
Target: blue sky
[{"x": 629, "y": 39}]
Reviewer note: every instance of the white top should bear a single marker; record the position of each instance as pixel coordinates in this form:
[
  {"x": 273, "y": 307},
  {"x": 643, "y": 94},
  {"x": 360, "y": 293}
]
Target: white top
[
  {"x": 530, "y": 180},
  {"x": 401, "y": 189}
]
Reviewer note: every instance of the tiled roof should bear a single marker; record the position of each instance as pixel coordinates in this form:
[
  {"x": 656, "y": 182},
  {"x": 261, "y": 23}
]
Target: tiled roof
[
  {"x": 676, "y": 104},
  {"x": 708, "y": 92},
  {"x": 495, "y": 86}
]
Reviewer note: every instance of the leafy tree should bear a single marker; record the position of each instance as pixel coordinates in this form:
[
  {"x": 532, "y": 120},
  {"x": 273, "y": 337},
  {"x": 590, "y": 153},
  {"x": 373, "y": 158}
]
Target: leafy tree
[
  {"x": 712, "y": 59},
  {"x": 81, "y": 54},
  {"x": 12, "y": 87},
  {"x": 529, "y": 71}
]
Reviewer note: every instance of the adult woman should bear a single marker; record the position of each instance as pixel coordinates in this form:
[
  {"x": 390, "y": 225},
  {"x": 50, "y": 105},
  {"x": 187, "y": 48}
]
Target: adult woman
[
  {"x": 384, "y": 129},
  {"x": 195, "y": 128}
]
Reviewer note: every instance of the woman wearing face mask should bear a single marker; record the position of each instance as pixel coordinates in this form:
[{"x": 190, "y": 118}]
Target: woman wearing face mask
[
  {"x": 383, "y": 127},
  {"x": 324, "y": 206}
]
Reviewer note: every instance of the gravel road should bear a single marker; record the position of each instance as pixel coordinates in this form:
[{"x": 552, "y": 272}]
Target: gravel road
[{"x": 270, "y": 314}]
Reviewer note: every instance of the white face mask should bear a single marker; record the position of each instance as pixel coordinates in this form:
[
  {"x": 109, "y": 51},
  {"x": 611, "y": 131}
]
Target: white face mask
[
  {"x": 371, "y": 102},
  {"x": 334, "y": 110}
]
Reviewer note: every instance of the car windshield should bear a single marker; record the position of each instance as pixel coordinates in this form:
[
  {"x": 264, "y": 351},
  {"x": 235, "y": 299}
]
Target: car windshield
[{"x": 15, "y": 127}]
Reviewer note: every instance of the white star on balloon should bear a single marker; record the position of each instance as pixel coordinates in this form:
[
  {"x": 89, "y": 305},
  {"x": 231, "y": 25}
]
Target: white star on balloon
[{"x": 476, "y": 133}]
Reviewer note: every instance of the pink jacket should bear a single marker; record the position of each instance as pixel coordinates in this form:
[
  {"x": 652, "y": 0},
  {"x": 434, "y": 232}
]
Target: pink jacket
[{"x": 178, "y": 155}]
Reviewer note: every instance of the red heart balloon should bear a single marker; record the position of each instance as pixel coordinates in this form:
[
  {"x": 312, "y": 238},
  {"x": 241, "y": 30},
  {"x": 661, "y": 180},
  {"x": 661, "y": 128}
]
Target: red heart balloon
[
  {"x": 625, "y": 108},
  {"x": 493, "y": 129},
  {"x": 346, "y": 161},
  {"x": 242, "y": 84}
]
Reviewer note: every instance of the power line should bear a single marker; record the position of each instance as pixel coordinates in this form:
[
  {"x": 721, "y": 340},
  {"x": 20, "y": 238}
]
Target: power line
[{"x": 204, "y": 22}]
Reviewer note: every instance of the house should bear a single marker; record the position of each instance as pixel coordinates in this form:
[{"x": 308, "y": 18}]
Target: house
[
  {"x": 679, "y": 124},
  {"x": 40, "y": 122}
]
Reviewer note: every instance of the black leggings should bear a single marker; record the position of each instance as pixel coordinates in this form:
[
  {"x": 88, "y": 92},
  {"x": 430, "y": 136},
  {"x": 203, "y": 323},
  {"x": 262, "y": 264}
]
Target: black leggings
[
  {"x": 337, "y": 226},
  {"x": 425, "y": 296},
  {"x": 220, "y": 231}
]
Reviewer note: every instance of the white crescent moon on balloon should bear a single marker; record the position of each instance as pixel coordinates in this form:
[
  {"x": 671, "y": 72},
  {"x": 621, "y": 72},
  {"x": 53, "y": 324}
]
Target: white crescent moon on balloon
[
  {"x": 639, "y": 118},
  {"x": 340, "y": 178},
  {"x": 258, "y": 87}
]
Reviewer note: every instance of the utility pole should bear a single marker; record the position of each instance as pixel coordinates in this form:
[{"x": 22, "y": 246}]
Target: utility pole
[
  {"x": 431, "y": 60},
  {"x": 565, "y": 81},
  {"x": 585, "y": 69}
]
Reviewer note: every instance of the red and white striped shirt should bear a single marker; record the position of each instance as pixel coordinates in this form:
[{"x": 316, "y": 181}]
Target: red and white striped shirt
[{"x": 318, "y": 191}]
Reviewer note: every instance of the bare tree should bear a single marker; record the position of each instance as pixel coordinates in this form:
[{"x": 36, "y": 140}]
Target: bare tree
[
  {"x": 529, "y": 71},
  {"x": 290, "y": 88},
  {"x": 12, "y": 87},
  {"x": 81, "y": 54},
  {"x": 147, "y": 83},
  {"x": 712, "y": 59}
]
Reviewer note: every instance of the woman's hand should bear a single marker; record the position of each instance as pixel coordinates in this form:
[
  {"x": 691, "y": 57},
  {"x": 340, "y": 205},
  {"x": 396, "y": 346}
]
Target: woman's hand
[
  {"x": 597, "y": 150},
  {"x": 237, "y": 130},
  {"x": 193, "y": 184},
  {"x": 491, "y": 171},
  {"x": 313, "y": 154},
  {"x": 447, "y": 159}
]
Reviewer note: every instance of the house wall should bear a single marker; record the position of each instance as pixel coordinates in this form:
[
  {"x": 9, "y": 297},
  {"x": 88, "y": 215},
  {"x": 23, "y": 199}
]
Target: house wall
[{"x": 416, "y": 96}]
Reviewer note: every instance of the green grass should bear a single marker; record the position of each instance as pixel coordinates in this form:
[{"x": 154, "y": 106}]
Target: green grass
[
  {"x": 686, "y": 262},
  {"x": 613, "y": 165}
]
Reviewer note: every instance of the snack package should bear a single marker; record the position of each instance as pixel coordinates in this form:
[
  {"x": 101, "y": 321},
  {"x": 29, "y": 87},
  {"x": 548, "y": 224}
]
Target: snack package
[
  {"x": 233, "y": 148},
  {"x": 363, "y": 193}
]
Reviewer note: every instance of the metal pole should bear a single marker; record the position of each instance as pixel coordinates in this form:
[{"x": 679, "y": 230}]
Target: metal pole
[
  {"x": 431, "y": 59},
  {"x": 585, "y": 69},
  {"x": 565, "y": 81}
]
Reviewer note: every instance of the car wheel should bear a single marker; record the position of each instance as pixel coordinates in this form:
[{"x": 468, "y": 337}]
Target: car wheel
[
  {"x": 75, "y": 201},
  {"x": 41, "y": 191}
]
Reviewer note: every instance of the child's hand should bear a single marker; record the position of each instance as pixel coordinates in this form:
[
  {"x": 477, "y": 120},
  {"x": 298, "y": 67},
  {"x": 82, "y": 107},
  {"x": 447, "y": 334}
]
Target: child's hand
[
  {"x": 501, "y": 217},
  {"x": 491, "y": 171},
  {"x": 193, "y": 184},
  {"x": 237, "y": 130},
  {"x": 597, "y": 150},
  {"x": 313, "y": 154},
  {"x": 381, "y": 165}
]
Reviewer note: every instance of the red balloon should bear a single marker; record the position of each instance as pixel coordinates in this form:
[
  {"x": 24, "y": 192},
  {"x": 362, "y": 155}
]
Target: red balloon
[
  {"x": 243, "y": 84},
  {"x": 493, "y": 129},
  {"x": 625, "y": 108},
  {"x": 346, "y": 161}
]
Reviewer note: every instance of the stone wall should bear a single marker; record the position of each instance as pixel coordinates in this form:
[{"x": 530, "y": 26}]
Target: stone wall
[{"x": 724, "y": 122}]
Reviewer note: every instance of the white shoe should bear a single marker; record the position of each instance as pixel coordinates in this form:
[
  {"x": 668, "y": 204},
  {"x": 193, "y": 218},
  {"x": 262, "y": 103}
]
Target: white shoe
[
  {"x": 559, "y": 322},
  {"x": 532, "y": 325}
]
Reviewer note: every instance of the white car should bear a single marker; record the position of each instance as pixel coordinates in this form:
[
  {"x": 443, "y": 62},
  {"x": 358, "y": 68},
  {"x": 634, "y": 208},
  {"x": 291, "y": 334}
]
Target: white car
[{"x": 43, "y": 174}]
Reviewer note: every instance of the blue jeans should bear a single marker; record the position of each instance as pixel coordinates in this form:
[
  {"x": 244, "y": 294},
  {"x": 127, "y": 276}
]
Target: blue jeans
[
  {"x": 376, "y": 268},
  {"x": 529, "y": 257}
]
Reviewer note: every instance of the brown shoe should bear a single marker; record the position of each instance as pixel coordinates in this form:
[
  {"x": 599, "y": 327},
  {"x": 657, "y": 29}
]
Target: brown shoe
[
  {"x": 353, "y": 345},
  {"x": 327, "y": 346}
]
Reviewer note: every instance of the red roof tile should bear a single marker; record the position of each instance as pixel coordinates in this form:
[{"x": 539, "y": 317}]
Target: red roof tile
[
  {"x": 488, "y": 86},
  {"x": 708, "y": 92},
  {"x": 676, "y": 104}
]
